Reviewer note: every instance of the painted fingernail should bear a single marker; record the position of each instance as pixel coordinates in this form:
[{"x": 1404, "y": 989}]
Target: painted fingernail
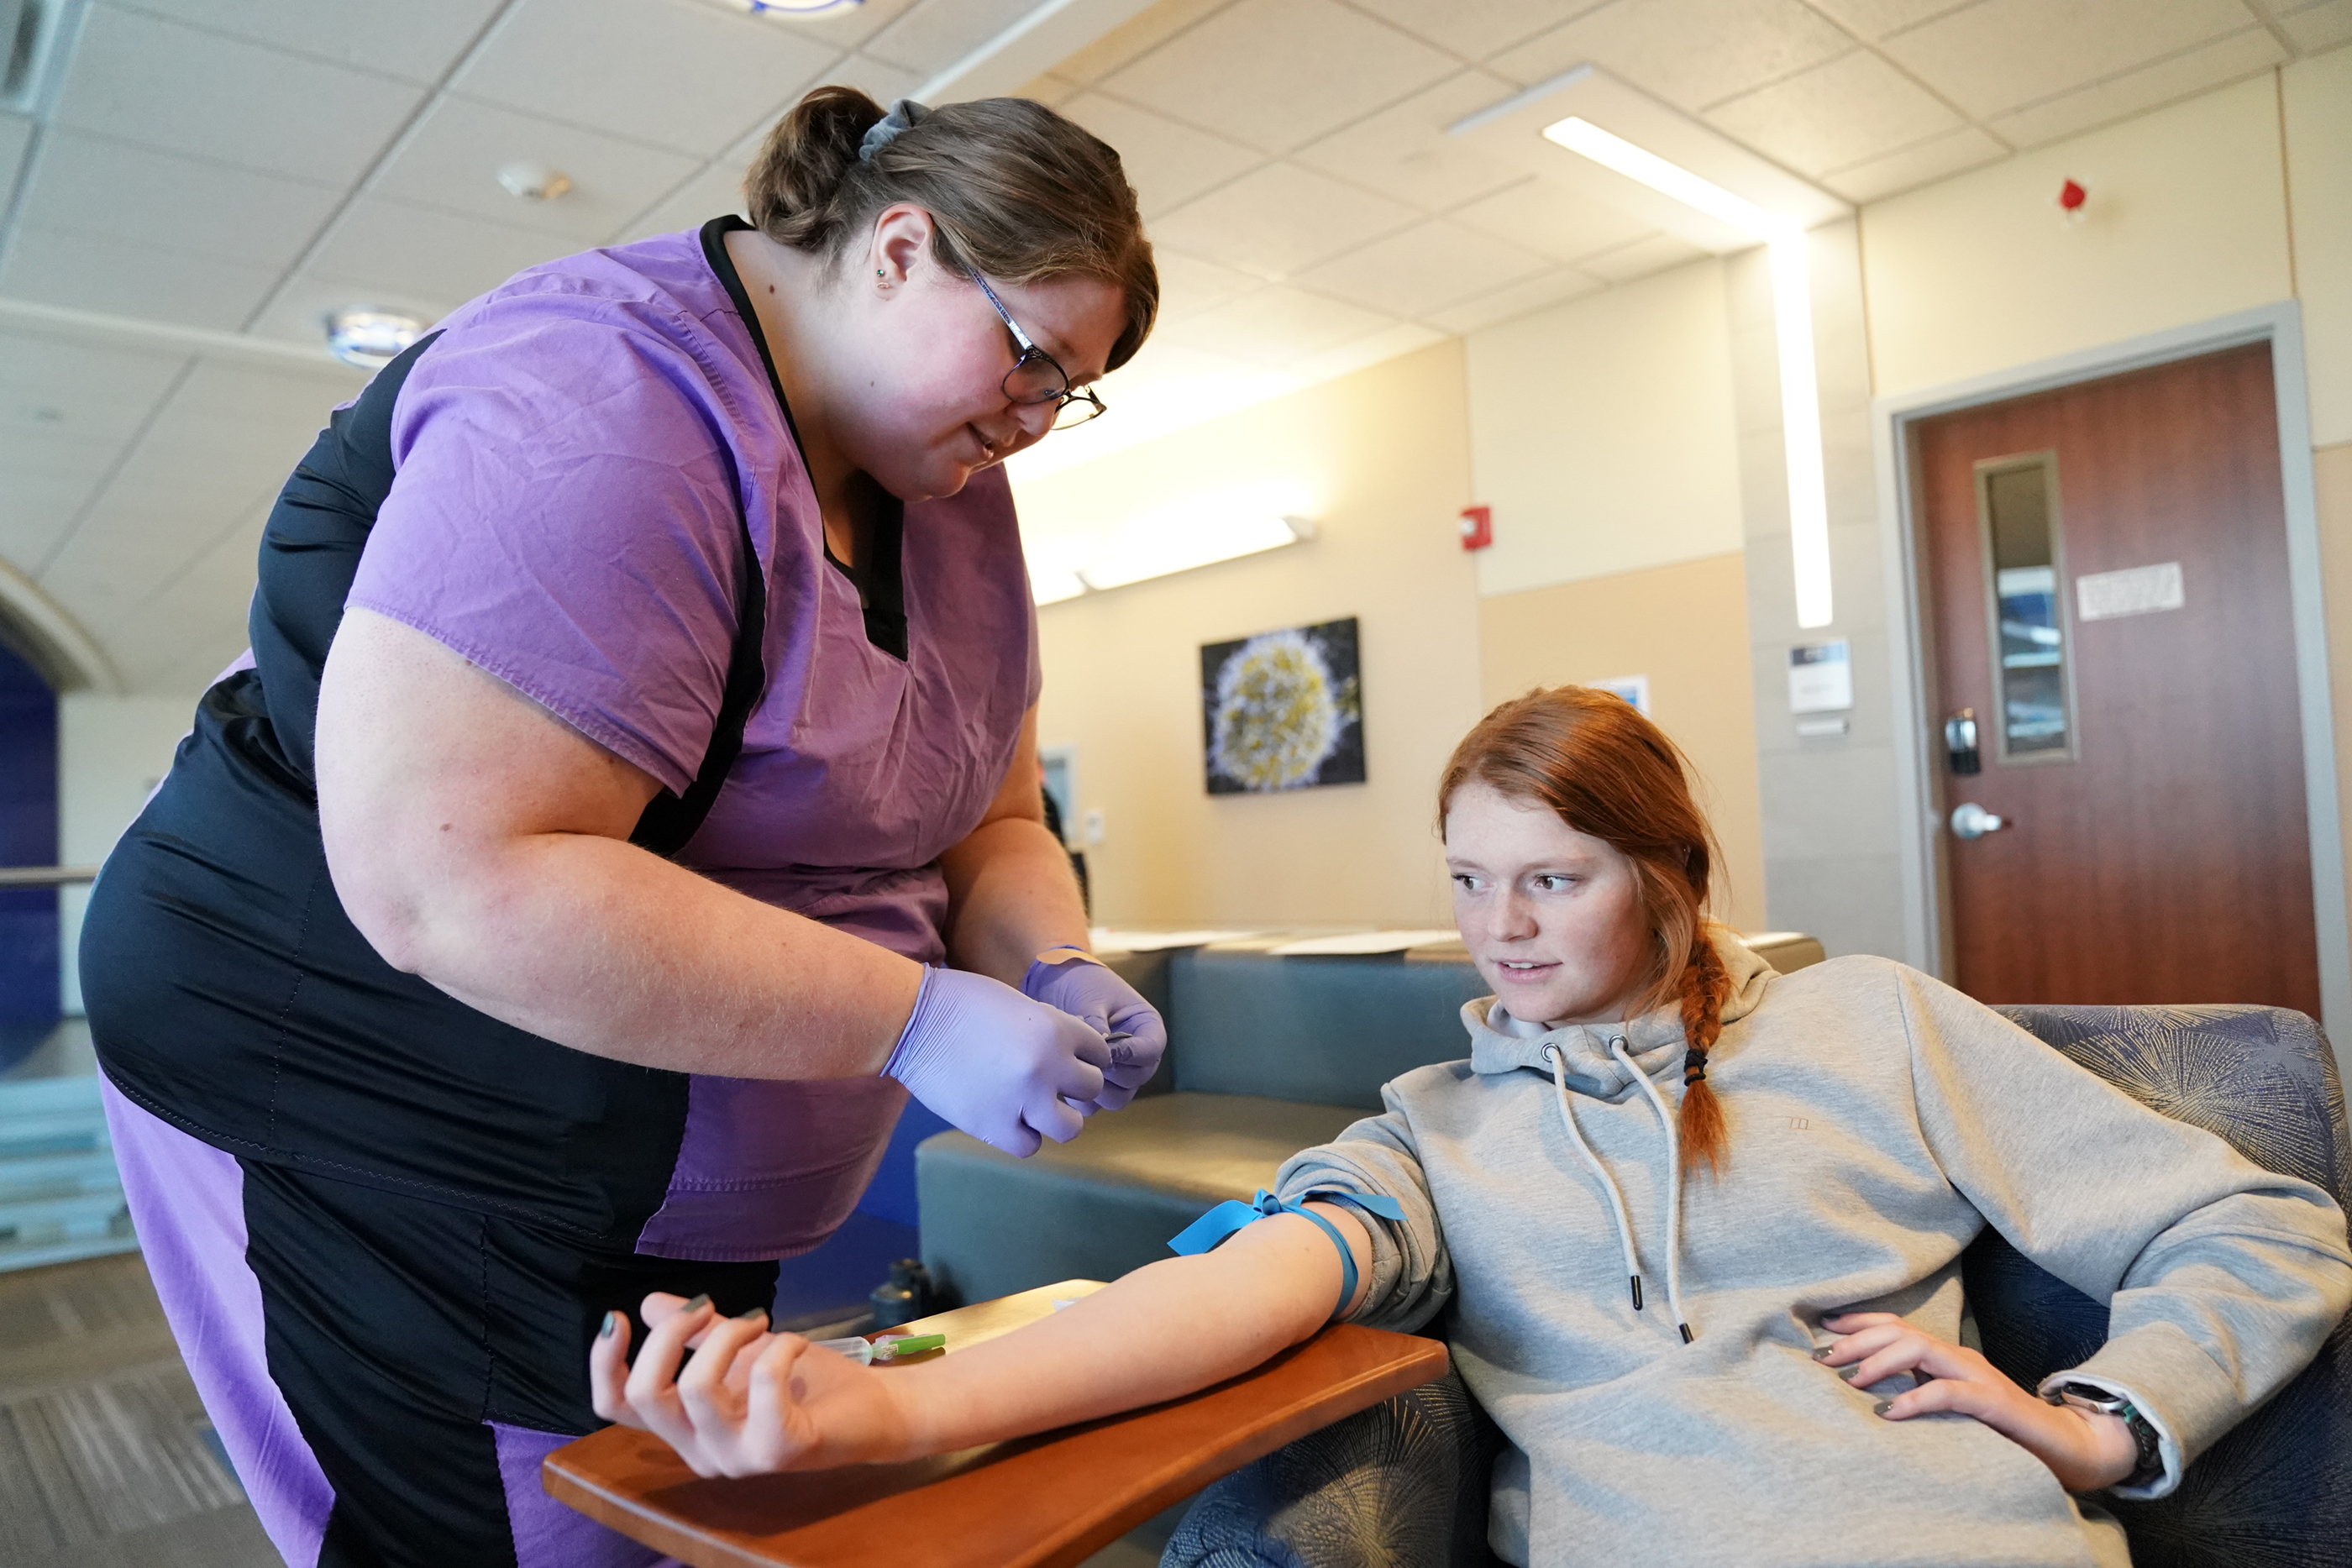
[
  {"x": 1822, "y": 1353},
  {"x": 1882, "y": 1407},
  {"x": 1847, "y": 1372},
  {"x": 755, "y": 1315},
  {"x": 612, "y": 1321},
  {"x": 697, "y": 1304}
]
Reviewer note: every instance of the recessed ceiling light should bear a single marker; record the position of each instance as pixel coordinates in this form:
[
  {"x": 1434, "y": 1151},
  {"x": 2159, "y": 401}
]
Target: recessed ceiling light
[
  {"x": 790, "y": 8},
  {"x": 369, "y": 336},
  {"x": 534, "y": 181}
]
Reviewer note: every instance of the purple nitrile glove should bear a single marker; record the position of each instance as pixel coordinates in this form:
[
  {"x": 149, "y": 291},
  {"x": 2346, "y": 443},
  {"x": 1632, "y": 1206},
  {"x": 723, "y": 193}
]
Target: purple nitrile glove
[
  {"x": 997, "y": 1064},
  {"x": 1084, "y": 987}
]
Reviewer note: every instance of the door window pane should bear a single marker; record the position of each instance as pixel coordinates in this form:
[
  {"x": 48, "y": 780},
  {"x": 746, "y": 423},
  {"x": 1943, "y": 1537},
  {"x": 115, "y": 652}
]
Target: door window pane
[{"x": 2017, "y": 500}]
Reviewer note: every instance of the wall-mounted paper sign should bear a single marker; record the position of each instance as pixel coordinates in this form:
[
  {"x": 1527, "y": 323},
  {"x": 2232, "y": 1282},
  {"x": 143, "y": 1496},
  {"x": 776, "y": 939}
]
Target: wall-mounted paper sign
[
  {"x": 2135, "y": 591},
  {"x": 1634, "y": 689},
  {"x": 1820, "y": 678}
]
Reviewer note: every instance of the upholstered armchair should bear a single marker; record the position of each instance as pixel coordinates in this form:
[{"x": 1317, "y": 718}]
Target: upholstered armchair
[{"x": 1406, "y": 1482}]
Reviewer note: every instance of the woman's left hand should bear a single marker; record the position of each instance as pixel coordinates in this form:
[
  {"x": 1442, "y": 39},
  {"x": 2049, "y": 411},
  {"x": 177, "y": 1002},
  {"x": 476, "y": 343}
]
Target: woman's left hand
[
  {"x": 2085, "y": 1449},
  {"x": 1090, "y": 991}
]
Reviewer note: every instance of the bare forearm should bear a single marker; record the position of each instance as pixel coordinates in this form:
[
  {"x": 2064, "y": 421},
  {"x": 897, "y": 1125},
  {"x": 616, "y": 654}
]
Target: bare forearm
[
  {"x": 1161, "y": 1331},
  {"x": 1014, "y": 895},
  {"x": 593, "y": 942}
]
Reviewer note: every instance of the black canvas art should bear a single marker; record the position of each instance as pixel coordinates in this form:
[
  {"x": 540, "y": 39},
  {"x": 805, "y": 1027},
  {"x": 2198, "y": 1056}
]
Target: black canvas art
[{"x": 1283, "y": 710}]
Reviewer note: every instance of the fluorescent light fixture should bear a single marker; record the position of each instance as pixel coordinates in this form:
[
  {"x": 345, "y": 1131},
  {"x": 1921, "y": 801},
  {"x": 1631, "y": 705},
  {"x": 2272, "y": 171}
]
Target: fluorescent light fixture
[
  {"x": 1051, "y": 585},
  {"x": 1195, "y": 541},
  {"x": 791, "y": 8},
  {"x": 1793, "y": 330}
]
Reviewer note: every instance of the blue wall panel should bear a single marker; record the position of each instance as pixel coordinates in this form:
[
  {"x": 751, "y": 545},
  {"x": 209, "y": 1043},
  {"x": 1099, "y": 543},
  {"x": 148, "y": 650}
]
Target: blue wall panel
[{"x": 28, "y": 836}]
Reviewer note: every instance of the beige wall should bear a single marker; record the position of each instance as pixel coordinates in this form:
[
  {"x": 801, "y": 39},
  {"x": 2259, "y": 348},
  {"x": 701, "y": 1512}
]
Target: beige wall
[
  {"x": 2316, "y": 116},
  {"x": 1601, "y": 432},
  {"x": 1384, "y": 454},
  {"x": 1685, "y": 627},
  {"x": 2186, "y": 221}
]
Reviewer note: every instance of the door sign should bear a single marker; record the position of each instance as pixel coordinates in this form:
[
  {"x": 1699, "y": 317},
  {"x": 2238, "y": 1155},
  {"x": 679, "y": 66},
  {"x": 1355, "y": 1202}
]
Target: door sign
[
  {"x": 2135, "y": 591},
  {"x": 1820, "y": 678}
]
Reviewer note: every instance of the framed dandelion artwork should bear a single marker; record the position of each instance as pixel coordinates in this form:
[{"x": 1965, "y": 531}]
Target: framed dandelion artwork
[{"x": 1283, "y": 710}]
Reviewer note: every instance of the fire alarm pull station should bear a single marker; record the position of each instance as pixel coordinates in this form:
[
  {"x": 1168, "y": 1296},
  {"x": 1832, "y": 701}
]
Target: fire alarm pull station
[{"x": 1477, "y": 527}]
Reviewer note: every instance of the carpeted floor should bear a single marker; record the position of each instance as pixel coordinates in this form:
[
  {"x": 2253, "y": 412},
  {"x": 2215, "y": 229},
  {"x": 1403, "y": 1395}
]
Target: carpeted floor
[{"x": 105, "y": 1459}]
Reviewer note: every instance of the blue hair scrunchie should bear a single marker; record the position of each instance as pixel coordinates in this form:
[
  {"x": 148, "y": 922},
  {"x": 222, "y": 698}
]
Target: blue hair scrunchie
[{"x": 890, "y": 128}]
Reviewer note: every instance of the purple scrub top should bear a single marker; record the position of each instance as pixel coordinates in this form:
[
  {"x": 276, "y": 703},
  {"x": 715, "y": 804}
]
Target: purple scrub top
[{"x": 564, "y": 517}]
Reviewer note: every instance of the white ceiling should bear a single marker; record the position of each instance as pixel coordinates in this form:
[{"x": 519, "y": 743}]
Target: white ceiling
[{"x": 238, "y": 168}]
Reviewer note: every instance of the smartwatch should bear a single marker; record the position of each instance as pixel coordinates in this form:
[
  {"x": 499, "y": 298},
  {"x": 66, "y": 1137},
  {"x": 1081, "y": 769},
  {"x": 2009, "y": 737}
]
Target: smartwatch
[{"x": 2089, "y": 1396}]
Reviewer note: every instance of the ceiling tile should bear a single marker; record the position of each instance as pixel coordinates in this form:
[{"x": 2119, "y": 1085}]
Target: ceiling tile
[
  {"x": 2166, "y": 81},
  {"x": 1403, "y": 150},
  {"x": 695, "y": 202},
  {"x": 93, "y": 185},
  {"x": 1169, "y": 163},
  {"x": 35, "y": 509},
  {"x": 1640, "y": 258},
  {"x": 1931, "y": 160},
  {"x": 1276, "y": 326},
  {"x": 1279, "y": 220},
  {"x": 935, "y": 34},
  {"x": 416, "y": 39},
  {"x": 1136, "y": 36},
  {"x": 423, "y": 252},
  {"x": 2004, "y": 54},
  {"x": 1371, "y": 349},
  {"x": 1692, "y": 53},
  {"x": 689, "y": 76},
  {"x": 1562, "y": 225},
  {"x": 96, "y": 390},
  {"x": 1188, "y": 286},
  {"x": 1427, "y": 266},
  {"x": 1477, "y": 28},
  {"x": 2320, "y": 26},
  {"x": 842, "y": 29},
  {"x": 144, "y": 79},
  {"x": 119, "y": 278},
  {"x": 1834, "y": 115},
  {"x": 1876, "y": 18},
  {"x": 1278, "y": 73},
  {"x": 1050, "y": 90},
  {"x": 451, "y": 161},
  {"x": 1518, "y": 299},
  {"x": 880, "y": 81}
]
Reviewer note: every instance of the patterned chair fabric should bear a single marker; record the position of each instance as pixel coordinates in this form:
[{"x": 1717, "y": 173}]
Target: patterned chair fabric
[{"x": 1405, "y": 1483}]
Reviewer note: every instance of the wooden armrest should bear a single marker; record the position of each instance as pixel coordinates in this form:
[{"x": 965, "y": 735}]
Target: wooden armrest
[{"x": 1043, "y": 1501}]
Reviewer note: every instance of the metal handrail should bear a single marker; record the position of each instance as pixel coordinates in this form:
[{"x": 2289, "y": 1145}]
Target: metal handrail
[{"x": 46, "y": 875}]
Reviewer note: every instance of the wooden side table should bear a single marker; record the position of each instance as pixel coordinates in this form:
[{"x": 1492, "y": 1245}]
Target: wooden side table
[{"x": 1043, "y": 1501}]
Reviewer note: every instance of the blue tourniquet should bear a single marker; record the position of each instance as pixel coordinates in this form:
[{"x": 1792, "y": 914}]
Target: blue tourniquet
[{"x": 1230, "y": 1215}]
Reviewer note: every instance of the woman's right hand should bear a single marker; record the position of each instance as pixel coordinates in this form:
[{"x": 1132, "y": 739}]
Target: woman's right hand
[
  {"x": 748, "y": 1402},
  {"x": 1006, "y": 1070}
]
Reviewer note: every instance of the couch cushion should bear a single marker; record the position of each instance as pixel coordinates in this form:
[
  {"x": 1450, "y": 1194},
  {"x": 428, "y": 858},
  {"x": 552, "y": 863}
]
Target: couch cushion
[
  {"x": 1328, "y": 1030},
  {"x": 1107, "y": 1201}
]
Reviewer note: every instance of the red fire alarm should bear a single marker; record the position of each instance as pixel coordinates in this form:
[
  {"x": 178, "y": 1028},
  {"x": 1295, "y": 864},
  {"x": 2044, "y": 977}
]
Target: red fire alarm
[
  {"x": 2070, "y": 200},
  {"x": 1477, "y": 527}
]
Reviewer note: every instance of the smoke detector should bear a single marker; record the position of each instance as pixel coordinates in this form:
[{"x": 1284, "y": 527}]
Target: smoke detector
[{"x": 368, "y": 336}]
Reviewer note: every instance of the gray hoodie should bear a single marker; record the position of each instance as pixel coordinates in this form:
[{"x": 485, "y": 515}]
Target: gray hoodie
[{"x": 1879, "y": 1121}]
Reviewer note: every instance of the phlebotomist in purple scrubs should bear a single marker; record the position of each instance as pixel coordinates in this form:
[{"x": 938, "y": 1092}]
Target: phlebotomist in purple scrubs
[{"x": 642, "y": 716}]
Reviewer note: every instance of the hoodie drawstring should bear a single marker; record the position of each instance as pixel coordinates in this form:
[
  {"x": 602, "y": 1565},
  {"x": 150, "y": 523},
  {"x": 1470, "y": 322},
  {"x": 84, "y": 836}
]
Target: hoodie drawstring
[
  {"x": 1608, "y": 1182},
  {"x": 1674, "y": 1184}
]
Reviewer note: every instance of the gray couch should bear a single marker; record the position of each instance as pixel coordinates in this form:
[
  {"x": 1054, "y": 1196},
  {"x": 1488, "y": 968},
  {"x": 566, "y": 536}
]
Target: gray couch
[{"x": 1267, "y": 1056}]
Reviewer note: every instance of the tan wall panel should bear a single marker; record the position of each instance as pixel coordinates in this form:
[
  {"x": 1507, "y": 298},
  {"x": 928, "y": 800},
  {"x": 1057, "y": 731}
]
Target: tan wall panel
[
  {"x": 1685, "y": 627},
  {"x": 1387, "y": 451},
  {"x": 2186, "y": 221}
]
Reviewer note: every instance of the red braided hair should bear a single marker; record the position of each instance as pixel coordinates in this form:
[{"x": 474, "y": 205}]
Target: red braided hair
[{"x": 1610, "y": 773}]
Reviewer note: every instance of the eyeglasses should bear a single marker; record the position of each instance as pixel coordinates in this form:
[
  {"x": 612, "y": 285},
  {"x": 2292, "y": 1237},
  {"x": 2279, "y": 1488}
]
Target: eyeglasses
[{"x": 1035, "y": 378}]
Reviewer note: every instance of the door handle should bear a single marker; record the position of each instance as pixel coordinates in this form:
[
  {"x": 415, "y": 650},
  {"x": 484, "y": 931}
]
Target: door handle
[
  {"x": 1960, "y": 742},
  {"x": 1970, "y": 821}
]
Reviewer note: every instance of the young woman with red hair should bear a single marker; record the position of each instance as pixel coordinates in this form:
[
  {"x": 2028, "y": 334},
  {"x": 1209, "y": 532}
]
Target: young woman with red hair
[{"x": 1798, "y": 1159}]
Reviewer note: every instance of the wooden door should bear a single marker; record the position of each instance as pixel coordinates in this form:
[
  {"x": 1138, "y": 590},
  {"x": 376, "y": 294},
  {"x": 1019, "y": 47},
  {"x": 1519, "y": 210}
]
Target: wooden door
[{"x": 2139, "y": 732}]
